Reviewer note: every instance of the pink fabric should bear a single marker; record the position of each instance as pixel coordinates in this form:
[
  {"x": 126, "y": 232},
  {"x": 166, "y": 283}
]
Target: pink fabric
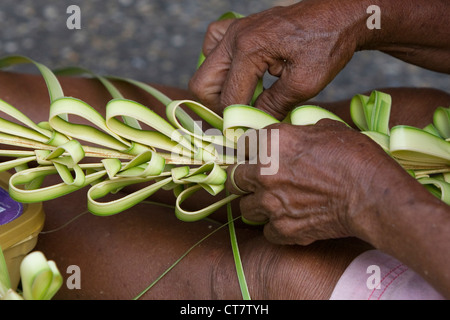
[{"x": 396, "y": 281}]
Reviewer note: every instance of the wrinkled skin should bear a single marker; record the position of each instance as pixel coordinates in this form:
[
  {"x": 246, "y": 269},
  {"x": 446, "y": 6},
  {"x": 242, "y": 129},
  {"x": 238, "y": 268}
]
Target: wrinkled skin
[
  {"x": 241, "y": 51},
  {"x": 332, "y": 182},
  {"x": 303, "y": 201},
  {"x": 307, "y": 44},
  {"x": 120, "y": 255}
]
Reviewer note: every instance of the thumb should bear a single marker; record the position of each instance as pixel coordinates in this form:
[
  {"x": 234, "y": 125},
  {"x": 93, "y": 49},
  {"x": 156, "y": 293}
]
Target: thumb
[
  {"x": 240, "y": 178},
  {"x": 283, "y": 96},
  {"x": 215, "y": 34}
]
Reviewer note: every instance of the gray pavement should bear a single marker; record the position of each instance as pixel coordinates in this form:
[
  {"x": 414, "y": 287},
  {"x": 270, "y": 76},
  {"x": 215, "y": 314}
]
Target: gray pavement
[{"x": 159, "y": 41}]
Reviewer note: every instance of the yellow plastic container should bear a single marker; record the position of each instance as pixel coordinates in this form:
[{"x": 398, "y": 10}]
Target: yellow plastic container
[{"x": 19, "y": 229}]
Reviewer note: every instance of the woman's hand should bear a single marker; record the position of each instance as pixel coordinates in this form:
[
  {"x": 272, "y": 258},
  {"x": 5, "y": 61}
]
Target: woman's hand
[
  {"x": 308, "y": 43},
  {"x": 322, "y": 188},
  {"x": 305, "y": 45}
]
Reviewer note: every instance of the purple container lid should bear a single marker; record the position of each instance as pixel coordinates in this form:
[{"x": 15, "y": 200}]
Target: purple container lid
[{"x": 9, "y": 209}]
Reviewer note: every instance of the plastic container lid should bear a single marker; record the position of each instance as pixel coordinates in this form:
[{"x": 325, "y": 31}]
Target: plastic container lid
[
  {"x": 20, "y": 225},
  {"x": 9, "y": 209}
]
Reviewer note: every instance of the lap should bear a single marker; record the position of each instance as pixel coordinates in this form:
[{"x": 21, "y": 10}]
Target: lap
[{"x": 120, "y": 255}]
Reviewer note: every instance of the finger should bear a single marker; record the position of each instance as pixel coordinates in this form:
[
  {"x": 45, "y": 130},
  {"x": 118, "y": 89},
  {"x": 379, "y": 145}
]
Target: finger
[
  {"x": 242, "y": 79},
  {"x": 247, "y": 146},
  {"x": 241, "y": 178},
  {"x": 252, "y": 213},
  {"x": 207, "y": 82},
  {"x": 214, "y": 35},
  {"x": 232, "y": 186},
  {"x": 276, "y": 68},
  {"x": 274, "y": 236},
  {"x": 284, "y": 95}
]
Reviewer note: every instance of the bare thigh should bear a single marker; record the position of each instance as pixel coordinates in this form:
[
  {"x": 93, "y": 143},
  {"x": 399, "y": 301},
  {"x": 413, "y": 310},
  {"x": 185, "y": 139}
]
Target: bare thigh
[{"x": 120, "y": 255}]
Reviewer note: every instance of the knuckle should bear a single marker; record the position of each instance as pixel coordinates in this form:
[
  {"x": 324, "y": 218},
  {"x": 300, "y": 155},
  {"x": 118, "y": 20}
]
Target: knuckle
[
  {"x": 275, "y": 233},
  {"x": 301, "y": 90},
  {"x": 333, "y": 124},
  {"x": 280, "y": 126},
  {"x": 304, "y": 241},
  {"x": 266, "y": 181},
  {"x": 243, "y": 42},
  {"x": 242, "y": 39},
  {"x": 194, "y": 86},
  {"x": 274, "y": 104},
  {"x": 301, "y": 83},
  {"x": 212, "y": 28},
  {"x": 271, "y": 204},
  {"x": 286, "y": 231}
]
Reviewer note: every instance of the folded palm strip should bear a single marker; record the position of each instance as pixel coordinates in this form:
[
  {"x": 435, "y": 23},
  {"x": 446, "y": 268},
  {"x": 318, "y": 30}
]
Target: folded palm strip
[
  {"x": 175, "y": 153},
  {"x": 424, "y": 153},
  {"x": 40, "y": 278}
]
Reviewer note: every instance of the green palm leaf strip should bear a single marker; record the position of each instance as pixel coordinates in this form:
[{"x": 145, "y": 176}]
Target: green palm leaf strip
[
  {"x": 425, "y": 153},
  {"x": 5, "y": 282},
  {"x": 236, "y": 255},
  {"x": 113, "y": 151},
  {"x": 182, "y": 257},
  {"x": 234, "y": 15},
  {"x": 175, "y": 153},
  {"x": 40, "y": 278}
]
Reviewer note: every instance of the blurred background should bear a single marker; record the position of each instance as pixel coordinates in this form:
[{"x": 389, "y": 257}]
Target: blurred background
[{"x": 159, "y": 41}]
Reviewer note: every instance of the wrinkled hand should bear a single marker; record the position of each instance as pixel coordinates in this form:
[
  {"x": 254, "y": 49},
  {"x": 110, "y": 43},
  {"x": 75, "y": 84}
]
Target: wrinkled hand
[
  {"x": 322, "y": 187},
  {"x": 305, "y": 45}
]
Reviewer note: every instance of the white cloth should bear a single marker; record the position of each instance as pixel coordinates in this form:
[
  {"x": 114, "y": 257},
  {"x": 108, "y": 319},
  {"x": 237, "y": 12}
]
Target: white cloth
[{"x": 374, "y": 275}]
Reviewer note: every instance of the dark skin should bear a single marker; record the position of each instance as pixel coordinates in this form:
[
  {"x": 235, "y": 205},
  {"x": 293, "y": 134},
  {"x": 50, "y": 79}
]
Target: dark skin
[
  {"x": 120, "y": 255},
  {"x": 333, "y": 182},
  {"x": 307, "y": 44}
]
